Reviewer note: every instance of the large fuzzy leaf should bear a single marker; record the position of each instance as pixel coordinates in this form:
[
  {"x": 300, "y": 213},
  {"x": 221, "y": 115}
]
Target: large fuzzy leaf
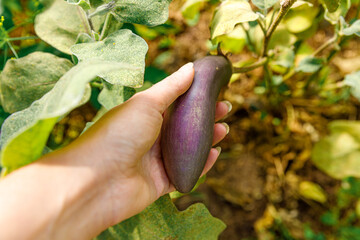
[
  {"x": 264, "y": 4},
  {"x": 27, "y": 79},
  {"x": 149, "y": 12},
  {"x": 162, "y": 220},
  {"x": 60, "y": 25},
  {"x": 113, "y": 95},
  {"x": 24, "y": 134},
  {"x": 112, "y": 49},
  {"x": 341, "y": 11}
]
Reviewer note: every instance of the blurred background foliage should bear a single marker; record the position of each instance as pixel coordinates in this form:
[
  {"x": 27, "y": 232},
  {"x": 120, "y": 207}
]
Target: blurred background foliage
[{"x": 289, "y": 167}]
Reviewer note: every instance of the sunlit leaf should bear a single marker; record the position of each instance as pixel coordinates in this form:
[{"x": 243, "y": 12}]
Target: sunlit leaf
[
  {"x": 191, "y": 9},
  {"x": 112, "y": 49},
  {"x": 264, "y": 4},
  {"x": 27, "y": 79},
  {"x": 162, "y": 220},
  {"x": 353, "y": 29},
  {"x": 334, "y": 17},
  {"x": 300, "y": 18},
  {"x": 338, "y": 154},
  {"x": 353, "y": 81},
  {"x": 60, "y": 25},
  {"x": 24, "y": 134},
  {"x": 229, "y": 14}
]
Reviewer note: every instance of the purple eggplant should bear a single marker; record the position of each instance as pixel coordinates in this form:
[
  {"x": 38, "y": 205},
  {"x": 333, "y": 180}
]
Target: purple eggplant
[{"x": 188, "y": 128}]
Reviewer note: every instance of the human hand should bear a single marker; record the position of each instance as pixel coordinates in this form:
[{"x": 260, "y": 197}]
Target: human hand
[{"x": 129, "y": 139}]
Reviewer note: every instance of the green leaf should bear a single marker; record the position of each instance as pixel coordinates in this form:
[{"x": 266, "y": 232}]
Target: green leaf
[
  {"x": 24, "y": 134},
  {"x": 85, "y": 4},
  {"x": 162, "y": 220},
  {"x": 264, "y": 4},
  {"x": 113, "y": 95},
  {"x": 285, "y": 58},
  {"x": 60, "y": 25},
  {"x": 312, "y": 191},
  {"x": 309, "y": 65},
  {"x": 112, "y": 49},
  {"x": 353, "y": 81},
  {"x": 229, "y": 14},
  {"x": 27, "y": 79},
  {"x": 353, "y": 29},
  {"x": 332, "y": 5},
  {"x": 334, "y": 17},
  {"x": 338, "y": 154},
  {"x": 300, "y": 17},
  {"x": 191, "y": 9},
  {"x": 149, "y": 12},
  {"x": 349, "y": 233}
]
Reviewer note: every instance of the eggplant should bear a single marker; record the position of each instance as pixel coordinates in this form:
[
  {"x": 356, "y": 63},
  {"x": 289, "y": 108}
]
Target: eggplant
[{"x": 188, "y": 127}]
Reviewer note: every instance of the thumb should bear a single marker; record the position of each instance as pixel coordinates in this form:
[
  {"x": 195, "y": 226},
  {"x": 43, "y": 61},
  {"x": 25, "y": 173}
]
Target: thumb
[{"x": 168, "y": 90}]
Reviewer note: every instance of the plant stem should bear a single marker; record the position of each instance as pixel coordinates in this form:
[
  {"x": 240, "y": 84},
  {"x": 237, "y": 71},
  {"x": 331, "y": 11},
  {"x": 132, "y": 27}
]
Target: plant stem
[
  {"x": 325, "y": 45},
  {"x": 22, "y": 38},
  {"x": 84, "y": 21},
  {"x": 97, "y": 85},
  {"x": 5, "y": 54},
  {"x": 262, "y": 27},
  {"x": 284, "y": 8},
  {"x": 13, "y": 50},
  {"x": 259, "y": 63},
  {"x": 106, "y": 23},
  {"x": 251, "y": 46}
]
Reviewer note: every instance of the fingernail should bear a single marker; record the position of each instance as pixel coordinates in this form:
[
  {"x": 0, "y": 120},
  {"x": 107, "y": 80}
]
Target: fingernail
[
  {"x": 228, "y": 104},
  {"x": 218, "y": 149},
  {"x": 227, "y": 127},
  {"x": 186, "y": 67}
]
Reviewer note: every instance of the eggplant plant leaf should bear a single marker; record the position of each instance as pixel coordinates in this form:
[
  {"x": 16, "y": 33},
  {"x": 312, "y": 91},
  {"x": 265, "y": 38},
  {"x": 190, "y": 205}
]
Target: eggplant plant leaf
[
  {"x": 24, "y": 133},
  {"x": 85, "y": 4},
  {"x": 341, "y": 11},
  {"x": 353, "y": 29},
  {"x": 60, "y": 25},
  {"x": 264, "y": 4},
  {"x": 112, "y": 49},
  {"x": 162, "y": 220},
  {"x": 113, "y": 95},
  {"x": 191, "y": 9},
  {"x": 27, "y": 79},
  {"x": 309, "y": 65},
  {"x": 229, "y": 14},
  {"x": 332, "y": 5},
  {"x": 353, "y": 81},
  {"x": 149, "y": 12},
  {"x": 338, "y": 154}
]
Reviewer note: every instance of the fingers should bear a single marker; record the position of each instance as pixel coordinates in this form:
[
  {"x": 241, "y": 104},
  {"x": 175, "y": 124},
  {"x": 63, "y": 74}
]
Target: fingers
[
  {"x": 220, "y": 131},
  {"x": 168, "y": 90},
  {"x": 213, "y": 155},
  {"x": 222, "y": 108}
]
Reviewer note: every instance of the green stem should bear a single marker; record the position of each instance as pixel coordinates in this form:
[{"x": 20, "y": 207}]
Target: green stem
[
  {"x": 325, "y": 45},
  {"x": 259, "y": 63},
  {"x": 22, "y": 38},
  {"x": 97, "y": 85},
  {"x": 5, "y": 54},
  {"x": 13, "y": 50},
  {"x": 268, "y": 78},
  {"x": 284, "y": 8},
  {"x": 106, "y": 24},
  {"x": 251, "y": 45},
  {"x": 262, "y": 27}
]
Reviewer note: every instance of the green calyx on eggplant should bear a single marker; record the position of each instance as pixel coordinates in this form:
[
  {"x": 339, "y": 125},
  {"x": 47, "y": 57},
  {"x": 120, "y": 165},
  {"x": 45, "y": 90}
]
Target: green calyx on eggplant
[{"x": 188, "y": 127}]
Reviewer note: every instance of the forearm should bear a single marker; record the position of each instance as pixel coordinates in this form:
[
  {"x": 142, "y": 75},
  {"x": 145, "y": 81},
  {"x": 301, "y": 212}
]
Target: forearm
[{"x": 49, "y": 198}]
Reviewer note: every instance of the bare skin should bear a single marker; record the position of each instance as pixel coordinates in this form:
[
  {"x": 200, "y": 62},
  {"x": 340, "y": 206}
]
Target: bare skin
[{"x": 110, "y": 173}]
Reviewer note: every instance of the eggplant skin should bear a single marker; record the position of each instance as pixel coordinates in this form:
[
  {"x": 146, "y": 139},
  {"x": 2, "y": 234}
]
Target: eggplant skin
[{"x": 188, "y": 127}]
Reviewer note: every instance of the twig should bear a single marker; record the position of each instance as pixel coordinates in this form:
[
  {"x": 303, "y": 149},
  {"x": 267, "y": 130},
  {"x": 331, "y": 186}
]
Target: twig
[
  {"x": 5, "y": 54},
  {"x": 251, "y": 67},
  {"x": 262, "y": 26},
  {"x": 325, "y": 45},
  {"x": 22, "y": 38},
  {"x": 251, "y": 46},
  {"x": 285, "y": 5}
]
